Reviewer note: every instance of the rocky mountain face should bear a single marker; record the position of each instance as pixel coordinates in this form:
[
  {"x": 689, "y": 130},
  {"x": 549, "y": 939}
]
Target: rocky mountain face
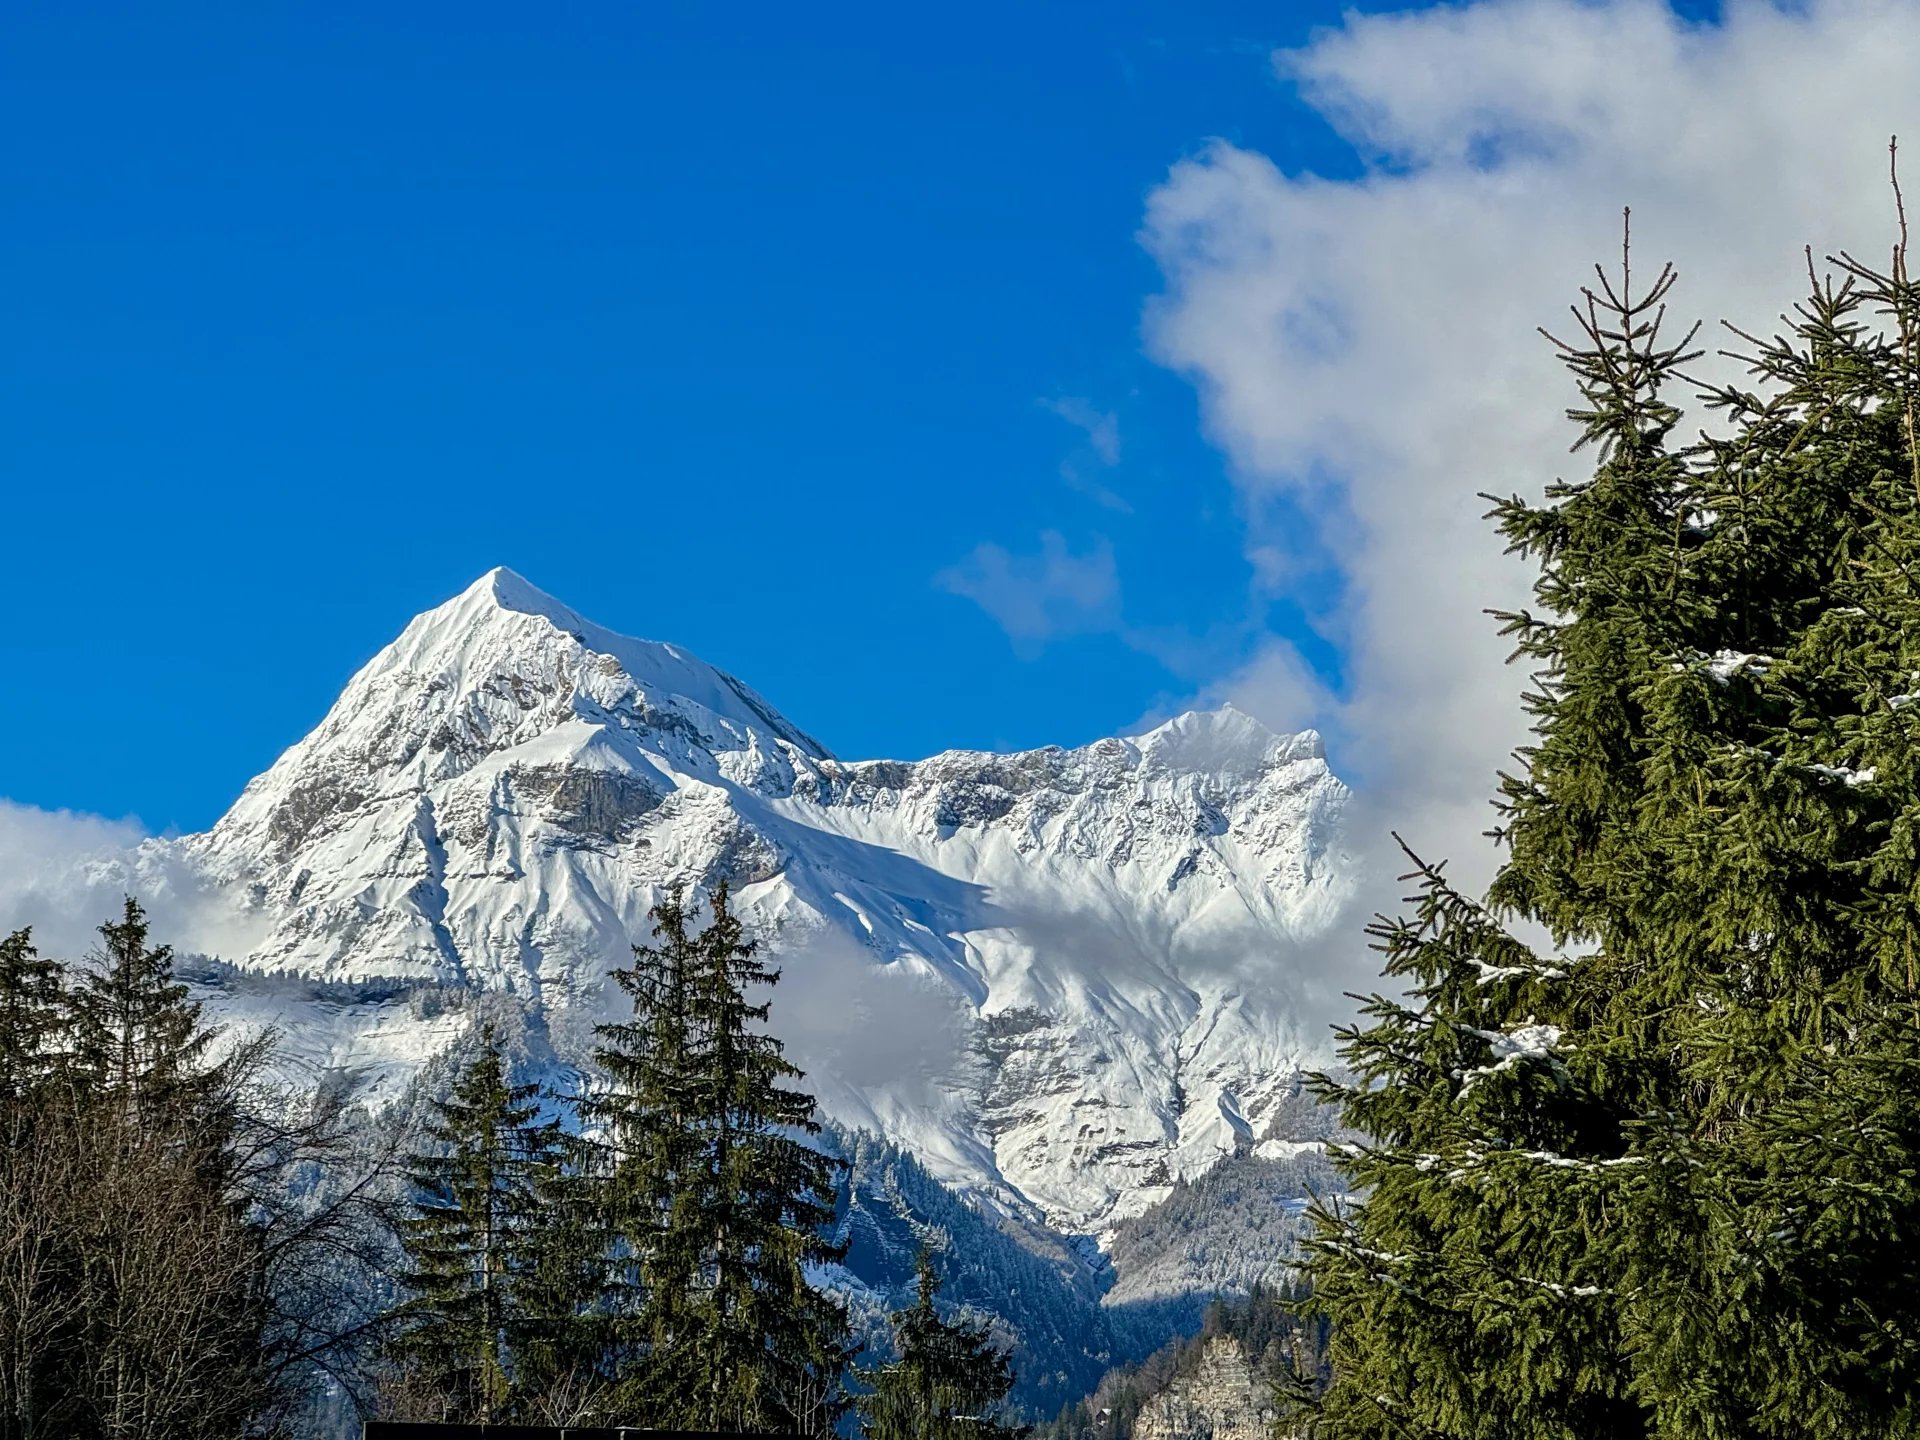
[
  {"x": 1224, "y": 1399},
  {"x": 1060, "y": 979}
]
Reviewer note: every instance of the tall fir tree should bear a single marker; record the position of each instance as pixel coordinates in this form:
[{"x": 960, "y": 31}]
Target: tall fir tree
[
  {"x": 720, "y": 1203},
  {"x": 950, "y": 1381},
  {"x": 567, "y": 1342},
  {"x": 1809, "y": 1034},
  {"x": 1624, "y": 1189},
  {"x": 474, "y": 1244},
  {"x": 1467, "y": 1295},
  {"x": 138, "y": 1037},
  {"x": 32, "y": 1024},
  {"x": 646, "y": 1117}
]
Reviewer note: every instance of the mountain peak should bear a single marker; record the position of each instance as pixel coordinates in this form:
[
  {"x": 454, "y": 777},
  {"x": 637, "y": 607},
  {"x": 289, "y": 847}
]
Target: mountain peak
[
  {"x": 1226, "y": 740},
  {"x": 501, "y": 589},
  {"x": 513, "y": 591},
  {"x": 501, "y": 675},
  {"x": 986, "y": 949}
]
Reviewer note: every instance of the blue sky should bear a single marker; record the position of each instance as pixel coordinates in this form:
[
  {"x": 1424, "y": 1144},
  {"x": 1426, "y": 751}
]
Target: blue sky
[
  {"x": 807, "y": 337},
  {"x": 741, "y": 326}
]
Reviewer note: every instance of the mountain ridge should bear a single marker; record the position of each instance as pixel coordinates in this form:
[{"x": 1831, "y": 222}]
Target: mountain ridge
[{"x": 1057, "y": 976}]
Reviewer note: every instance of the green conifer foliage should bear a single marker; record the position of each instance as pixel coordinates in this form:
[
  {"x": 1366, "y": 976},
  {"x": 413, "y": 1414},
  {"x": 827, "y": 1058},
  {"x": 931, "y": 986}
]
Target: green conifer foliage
[
  {"x": 138, "y": 1039},
  {"x": 134, "y": 1269},
  {"x": 1659, "y": 1181},
  {"x": 950, "y": 1382},
  {"x": 1469, "y": 1296},
  {"x": 472, "y": 1242},
  {"x": 1465, "y": 1294},
  {"x": 647, "y": 1119},
  {"x": 566, "y": 1338},
  {"x": 1806, "y": 1035},
  {"x": 719, "y": 1201},
  {"x": 32, "y": 1021}
]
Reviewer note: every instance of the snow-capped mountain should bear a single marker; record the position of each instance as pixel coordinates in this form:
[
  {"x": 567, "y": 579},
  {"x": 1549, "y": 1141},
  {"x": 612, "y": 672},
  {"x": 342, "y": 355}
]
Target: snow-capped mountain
[{"x": 1059, "y": 978}]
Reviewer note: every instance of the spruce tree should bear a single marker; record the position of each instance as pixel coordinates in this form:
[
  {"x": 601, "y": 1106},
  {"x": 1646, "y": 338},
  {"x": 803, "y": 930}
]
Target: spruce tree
[
  {"x": 32, "y": 1020},
  {"x": 1649, "y": 1184},
  {"x": 719, "y": 1201},
  {"x": 645, "y": 1119},
  {"x": 1764, "y": 1294},
  {"x": 1808, "y": 1036},
  {"x": 567, "y": 1338},
  {"x": 1467, "y": 1295},
  {"x": 139, "y": 1040},
  {"x": 472, "y": 1241},
  {"x": 136, "y": 1294},
  {"x": 950, "y": 1381}
]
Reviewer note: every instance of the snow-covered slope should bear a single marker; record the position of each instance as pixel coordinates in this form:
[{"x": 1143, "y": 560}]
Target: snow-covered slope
[{"x": 1060, "y": 978}]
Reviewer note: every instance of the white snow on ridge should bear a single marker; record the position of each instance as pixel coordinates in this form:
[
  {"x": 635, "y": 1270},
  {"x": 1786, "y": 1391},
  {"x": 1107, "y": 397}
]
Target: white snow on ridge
[{"x": 1059, "y": 977}]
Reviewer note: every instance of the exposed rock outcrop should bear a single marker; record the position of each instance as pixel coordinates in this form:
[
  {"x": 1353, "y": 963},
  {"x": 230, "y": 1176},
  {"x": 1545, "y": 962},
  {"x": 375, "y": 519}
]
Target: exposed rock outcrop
[{"x": 1224, "y": 1399}]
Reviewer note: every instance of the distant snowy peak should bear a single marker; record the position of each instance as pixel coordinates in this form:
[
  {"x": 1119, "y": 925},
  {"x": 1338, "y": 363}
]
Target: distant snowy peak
[
  {"x": 501, "y": 666},
  {"x": 1227, "y": 743},
  {"x": 1058, "y": 976}
]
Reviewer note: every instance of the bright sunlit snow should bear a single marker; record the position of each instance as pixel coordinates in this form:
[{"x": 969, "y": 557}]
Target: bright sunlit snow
[{"x": 1061, "y": 978}]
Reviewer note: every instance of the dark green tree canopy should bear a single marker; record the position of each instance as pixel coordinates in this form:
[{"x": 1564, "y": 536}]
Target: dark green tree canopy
[
  {"x": 950, "y": 1381},
  {"x": 137, "y": 1035},
  {"x": 1657, "y": 1180},
  {"x": 474, "y": 1242},
  {"x": 720, "y": 1202},
  {"x": 32, "y": 1024}
]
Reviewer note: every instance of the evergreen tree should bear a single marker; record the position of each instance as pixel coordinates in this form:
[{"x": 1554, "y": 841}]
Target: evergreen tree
[
  {"x": 1809, "y": 1036},
  {"x": 567, "y": 1336},
  {"x": 647, "y": 1120},
  {"x": 138, "y": 1038},
  {"x": 1644, "y": 1186},
  {"x": 1762, "y": 963},
  {"x": 1567, "y": 1160},
  {"x": 1468, "y": 1297},
  {"x": 950, "y": 1381},
  {"x": 474, "y": 1240},
  {"x": 32, "y": 1020},
  {"x": 719, "y": 1203}
]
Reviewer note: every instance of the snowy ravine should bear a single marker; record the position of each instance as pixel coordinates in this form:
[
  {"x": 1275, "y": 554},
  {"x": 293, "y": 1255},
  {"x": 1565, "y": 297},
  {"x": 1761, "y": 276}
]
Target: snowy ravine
[{"x": 1061, "y": 979}]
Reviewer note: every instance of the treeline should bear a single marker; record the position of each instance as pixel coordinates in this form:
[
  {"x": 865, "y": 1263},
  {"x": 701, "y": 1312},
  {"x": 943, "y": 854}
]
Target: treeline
[
  {"x": 187, "y": 1249},
  {"x": 1659, "y": 1174}
]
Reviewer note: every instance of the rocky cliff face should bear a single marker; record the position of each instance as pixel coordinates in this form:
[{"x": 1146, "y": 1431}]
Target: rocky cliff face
[
  {"x": 1060, "y": 978},
  {"x": 1223, "y": 1400}
]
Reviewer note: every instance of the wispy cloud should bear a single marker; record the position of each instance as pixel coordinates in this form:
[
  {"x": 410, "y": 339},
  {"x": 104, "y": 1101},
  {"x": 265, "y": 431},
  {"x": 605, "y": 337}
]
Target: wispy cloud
[
  {"x": 1044, "y": 595},
  {"x": 1367, "y": 349},
  {"x": 1101, "y": 427},
  {"x": 1100, "y": 452}
]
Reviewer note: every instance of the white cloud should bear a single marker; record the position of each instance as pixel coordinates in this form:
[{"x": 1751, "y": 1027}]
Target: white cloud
[
  {"x": 63, "y": 872},
  {"x": 866, "y": 1033},
  {"x": 57, "y": 873},
  {"x": 1042, "y": 596},
  {"x": 1368, "y": 347}
]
